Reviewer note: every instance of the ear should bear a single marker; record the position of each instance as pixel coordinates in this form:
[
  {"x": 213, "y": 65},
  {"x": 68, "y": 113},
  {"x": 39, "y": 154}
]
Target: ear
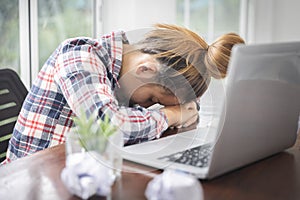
[{"x": 146, "y": 71}]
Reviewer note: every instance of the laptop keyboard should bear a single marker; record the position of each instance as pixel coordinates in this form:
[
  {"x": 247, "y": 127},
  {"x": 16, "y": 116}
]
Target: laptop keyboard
[{"x": 197, "y": 156}]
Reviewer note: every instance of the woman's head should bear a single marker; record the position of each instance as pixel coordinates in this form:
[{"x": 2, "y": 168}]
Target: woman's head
[{"x": 186, "y": 61}]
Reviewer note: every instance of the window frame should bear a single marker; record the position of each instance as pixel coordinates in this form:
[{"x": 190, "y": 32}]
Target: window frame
[
  {"x": 243, "y": 25},
  {"x": 29, "y": 46}
]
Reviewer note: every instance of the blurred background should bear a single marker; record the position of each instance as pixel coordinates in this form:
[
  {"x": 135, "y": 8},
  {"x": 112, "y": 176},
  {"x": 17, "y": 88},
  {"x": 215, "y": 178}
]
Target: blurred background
[{"x": 32, "y": 29}]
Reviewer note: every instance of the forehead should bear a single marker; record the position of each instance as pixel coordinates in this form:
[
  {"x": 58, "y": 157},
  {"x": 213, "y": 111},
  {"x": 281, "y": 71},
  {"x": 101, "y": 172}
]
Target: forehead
[
  {"x": 181, "y": 92},
  {"x": 164, "y": 93}
]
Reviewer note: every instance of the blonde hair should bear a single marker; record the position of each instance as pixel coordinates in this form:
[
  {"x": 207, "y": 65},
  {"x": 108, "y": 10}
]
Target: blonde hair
[{"x": 187, "y": 58}]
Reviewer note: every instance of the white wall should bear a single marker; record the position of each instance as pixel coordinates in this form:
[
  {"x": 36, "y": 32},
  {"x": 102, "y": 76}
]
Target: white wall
[
  {"x": 286, "y": 20},
  {"x": 273, "y": 21},
  {"x": 132, "y": 14},
  {"x": 268, "y": 20}
]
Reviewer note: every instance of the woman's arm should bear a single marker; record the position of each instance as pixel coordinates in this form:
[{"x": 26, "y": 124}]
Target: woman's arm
[{"x": 83, "y": 80}]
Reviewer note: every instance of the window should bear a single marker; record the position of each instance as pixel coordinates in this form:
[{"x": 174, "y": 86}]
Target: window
[
  {"x": 9, "y": 31},
  {"x": 210, "y": 18},
  {"x": 32, "y": 29},
  {"x": 59, "y": 20}
]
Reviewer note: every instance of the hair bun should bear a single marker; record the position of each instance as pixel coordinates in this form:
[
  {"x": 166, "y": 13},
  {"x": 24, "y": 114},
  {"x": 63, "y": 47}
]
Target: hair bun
[{"x": 218, "y": 54}]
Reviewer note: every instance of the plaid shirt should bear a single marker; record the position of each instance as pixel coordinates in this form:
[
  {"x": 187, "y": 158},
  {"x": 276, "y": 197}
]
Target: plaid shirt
[{"x": 82, "y": 73}]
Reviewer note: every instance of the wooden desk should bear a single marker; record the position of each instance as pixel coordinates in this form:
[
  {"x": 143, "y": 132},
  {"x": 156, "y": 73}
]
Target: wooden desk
[{"x": 38, "y": 177}]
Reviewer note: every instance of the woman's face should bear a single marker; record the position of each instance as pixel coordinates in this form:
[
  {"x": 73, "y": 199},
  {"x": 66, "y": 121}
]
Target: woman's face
[
  {"x": 145, "y": 95},
  {"x": 151, "y": 94},
  {"x": 137, "y": 81}
]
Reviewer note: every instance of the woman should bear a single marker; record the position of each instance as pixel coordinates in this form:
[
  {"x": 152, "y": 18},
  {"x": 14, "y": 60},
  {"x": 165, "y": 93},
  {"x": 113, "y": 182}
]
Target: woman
[{"x": 171, "y": 66}]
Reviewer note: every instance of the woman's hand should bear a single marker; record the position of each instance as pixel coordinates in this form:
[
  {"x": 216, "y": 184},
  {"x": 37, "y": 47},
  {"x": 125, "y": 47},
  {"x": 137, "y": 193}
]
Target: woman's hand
[{"x": 181, "y": 115}]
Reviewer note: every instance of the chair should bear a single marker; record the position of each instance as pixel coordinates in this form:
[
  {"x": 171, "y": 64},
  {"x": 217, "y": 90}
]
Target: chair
[{"x": 12, "y": 95}]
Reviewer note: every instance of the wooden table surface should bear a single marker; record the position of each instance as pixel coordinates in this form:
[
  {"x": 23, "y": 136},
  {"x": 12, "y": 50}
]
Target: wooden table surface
[{"x": 38, "y": 177}]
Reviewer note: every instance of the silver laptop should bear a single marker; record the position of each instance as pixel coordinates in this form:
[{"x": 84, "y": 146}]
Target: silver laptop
[{"x": 251, "y": 115}]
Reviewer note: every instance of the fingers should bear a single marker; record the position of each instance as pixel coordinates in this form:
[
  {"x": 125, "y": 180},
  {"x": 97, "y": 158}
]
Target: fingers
[
  {"x": 190, "y": 105},
  {"x": 189, "y": 114},
  {"x": 181, "y": 115},
  {"x": 191, "y": 121}
]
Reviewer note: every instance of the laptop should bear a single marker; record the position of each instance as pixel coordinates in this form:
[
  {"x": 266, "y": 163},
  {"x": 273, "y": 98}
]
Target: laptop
[{"x": 251, "y": 115}]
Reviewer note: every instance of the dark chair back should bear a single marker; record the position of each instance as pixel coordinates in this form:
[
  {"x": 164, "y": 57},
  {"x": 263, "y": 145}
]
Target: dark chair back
[{"x": 12, "y": 95}]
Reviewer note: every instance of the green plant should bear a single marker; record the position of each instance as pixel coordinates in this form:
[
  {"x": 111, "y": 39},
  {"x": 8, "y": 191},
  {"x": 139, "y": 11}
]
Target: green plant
[{"x": 93, "y": 132}]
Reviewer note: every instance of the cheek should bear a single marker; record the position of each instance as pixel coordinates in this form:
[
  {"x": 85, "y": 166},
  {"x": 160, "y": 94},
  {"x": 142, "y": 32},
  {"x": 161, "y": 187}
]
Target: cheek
[
  {"x": 169, "y": 100},
  {"x": 140, "y": 95}
]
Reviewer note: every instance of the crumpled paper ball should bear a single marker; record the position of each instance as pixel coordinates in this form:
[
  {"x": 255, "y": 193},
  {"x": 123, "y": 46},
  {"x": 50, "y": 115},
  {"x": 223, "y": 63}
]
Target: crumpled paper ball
[
  {"x": 85, "y": 175},
  {"x": 174, "y": 185}
]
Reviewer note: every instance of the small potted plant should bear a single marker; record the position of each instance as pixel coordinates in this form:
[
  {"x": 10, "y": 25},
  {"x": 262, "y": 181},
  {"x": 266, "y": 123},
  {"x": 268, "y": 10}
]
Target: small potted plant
[
  {"x": 94, "y": 133},
  {"x": 91, "y": 158}
]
